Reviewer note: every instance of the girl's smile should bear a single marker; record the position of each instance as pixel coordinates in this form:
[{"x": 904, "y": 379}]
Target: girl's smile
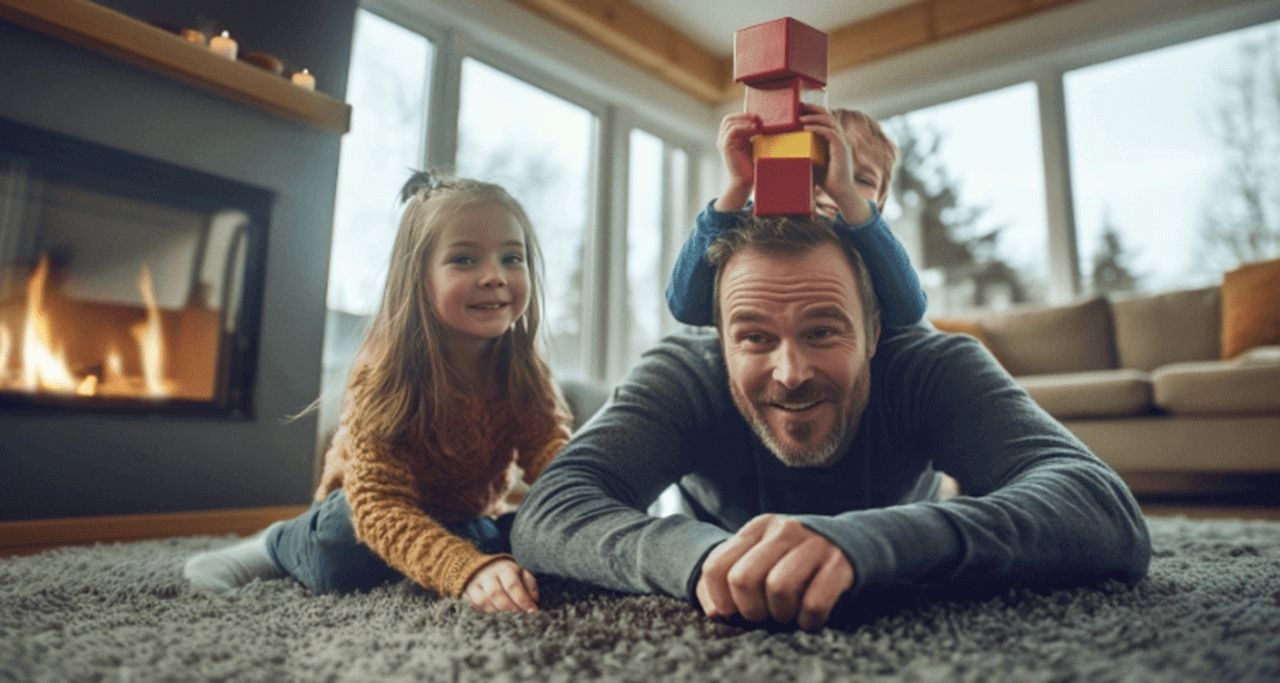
[{"x": 478, "y": 276}]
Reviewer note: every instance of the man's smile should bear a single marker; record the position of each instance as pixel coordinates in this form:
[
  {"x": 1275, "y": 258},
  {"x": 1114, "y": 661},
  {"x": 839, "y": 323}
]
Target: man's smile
[{"x": 796, "y": 407}]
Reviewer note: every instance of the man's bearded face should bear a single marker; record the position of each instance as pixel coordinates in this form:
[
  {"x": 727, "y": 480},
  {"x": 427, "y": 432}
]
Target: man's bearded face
[{"x": 797, "y": 351}]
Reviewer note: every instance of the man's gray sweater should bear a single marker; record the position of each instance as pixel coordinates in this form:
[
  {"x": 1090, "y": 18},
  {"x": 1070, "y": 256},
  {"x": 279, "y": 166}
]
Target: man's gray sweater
[{"x": 1037, "y": 507}]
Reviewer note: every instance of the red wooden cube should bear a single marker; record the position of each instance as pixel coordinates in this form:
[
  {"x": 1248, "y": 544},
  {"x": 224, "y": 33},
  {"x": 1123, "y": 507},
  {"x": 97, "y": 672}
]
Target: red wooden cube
[
  {"x": 779, "y": 49},
  {"x": 784, "y": 187},
  {"x": 777, "y": 103}
]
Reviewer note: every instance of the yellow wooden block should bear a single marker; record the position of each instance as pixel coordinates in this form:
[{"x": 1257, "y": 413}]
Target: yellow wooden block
[{"x": 798, "y": 144}]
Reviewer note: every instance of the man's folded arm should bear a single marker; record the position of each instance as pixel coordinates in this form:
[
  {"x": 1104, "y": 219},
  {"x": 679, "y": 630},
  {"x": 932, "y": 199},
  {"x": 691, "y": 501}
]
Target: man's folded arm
[
  {"x": 585, "y": 516},
  {"x": 1038, "y": 509}
]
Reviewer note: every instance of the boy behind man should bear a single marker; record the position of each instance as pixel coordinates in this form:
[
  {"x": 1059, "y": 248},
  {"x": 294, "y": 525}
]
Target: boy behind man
[{"x": 851, "y": 192}]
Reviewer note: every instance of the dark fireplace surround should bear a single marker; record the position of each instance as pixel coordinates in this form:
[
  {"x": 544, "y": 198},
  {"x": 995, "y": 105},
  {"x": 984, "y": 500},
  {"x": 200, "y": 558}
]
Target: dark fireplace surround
[
  {"x": 81, "y": 223},
  {"x": 61, "y": 461}
]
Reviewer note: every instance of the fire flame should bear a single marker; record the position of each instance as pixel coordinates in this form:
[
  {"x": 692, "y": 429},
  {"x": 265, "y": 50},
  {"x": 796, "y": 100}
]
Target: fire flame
[
  {"x": 150, "y": 338},
  {"x": 43, "y": 367}
]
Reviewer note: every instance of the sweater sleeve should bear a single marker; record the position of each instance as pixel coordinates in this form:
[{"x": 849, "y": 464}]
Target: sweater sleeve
[
  {"x": 585, "y": 517},
  {"x": 1039, "y": 508},
  {"x": 537, "y": 453},
  {"x": 902, "y": 299},
  {"x": 388, "y": 516},
  {"x": 693, "y": 278}
]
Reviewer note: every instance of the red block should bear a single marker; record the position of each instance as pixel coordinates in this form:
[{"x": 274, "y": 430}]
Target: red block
[
  {"x": 779, "y": 49},
  {"x": 777, "y": 103},
  {"x": 784, "y": 187}
]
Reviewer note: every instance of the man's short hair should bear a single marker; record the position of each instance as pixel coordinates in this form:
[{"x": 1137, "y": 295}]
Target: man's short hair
[{"x": 790, "y": 235}]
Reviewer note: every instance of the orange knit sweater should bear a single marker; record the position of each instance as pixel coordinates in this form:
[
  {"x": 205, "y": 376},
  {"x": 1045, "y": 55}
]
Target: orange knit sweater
[{"x": 401, "y": 499}]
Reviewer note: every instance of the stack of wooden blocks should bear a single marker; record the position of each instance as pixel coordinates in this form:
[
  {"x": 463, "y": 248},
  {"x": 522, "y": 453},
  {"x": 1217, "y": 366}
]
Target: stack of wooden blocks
[{"x": 783, "y": 63}]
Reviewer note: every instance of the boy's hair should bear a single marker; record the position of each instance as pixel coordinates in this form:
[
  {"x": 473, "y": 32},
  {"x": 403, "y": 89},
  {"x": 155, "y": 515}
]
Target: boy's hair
[
  {"x": 873, "y": 145},
  {"x": 406, "y": 390},
  {"x": 791, "y": 235}
]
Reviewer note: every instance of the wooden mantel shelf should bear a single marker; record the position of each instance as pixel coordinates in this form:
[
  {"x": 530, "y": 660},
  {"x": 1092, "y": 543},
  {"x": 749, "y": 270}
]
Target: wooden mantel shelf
[{"x": 94, "y": 27}]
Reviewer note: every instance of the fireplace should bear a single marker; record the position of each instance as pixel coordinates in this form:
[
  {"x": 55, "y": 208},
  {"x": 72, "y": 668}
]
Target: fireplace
[
  {"x": 127, "y": 284},
  {"x": 185, "y": 165}
]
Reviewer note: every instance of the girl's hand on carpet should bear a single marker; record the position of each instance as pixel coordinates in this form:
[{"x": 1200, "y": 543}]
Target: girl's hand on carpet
[{"x": 502, "y": 586}]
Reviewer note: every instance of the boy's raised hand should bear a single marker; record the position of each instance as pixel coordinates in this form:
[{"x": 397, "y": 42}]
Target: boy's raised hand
[
  {"x": 502, "y": 586},
  {"x": 734, "y": 142},
  {"x": 839, "y": 179}
]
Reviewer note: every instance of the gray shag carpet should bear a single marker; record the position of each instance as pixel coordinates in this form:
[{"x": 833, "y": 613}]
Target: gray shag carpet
[{"x": 1208, "y": 611}]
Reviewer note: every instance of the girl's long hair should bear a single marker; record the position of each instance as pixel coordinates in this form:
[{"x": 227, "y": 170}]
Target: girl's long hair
[{"x": 402, "y": 391}]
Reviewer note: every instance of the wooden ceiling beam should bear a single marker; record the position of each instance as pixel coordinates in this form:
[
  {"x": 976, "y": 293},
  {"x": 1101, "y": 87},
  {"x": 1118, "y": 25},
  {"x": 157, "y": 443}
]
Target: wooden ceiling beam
[
  {"x": 660, "y": 49},
  {"x": 644, "y": 39},
  {"x": 923, "y": 23}
]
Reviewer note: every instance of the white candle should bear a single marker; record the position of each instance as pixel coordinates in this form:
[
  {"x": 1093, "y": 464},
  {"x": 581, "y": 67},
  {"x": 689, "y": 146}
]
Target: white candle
[
  {"x": 224, "y": 46},
  {"x": 304, "y": 79}
]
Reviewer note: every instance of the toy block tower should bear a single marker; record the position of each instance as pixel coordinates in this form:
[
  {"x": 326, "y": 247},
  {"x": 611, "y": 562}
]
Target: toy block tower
[{"x": 782, "y": 63}]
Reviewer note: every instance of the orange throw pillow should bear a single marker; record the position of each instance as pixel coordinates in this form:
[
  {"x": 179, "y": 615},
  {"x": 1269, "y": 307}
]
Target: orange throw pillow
[
  {"x": 1250, "y": 307},
  {"x": 969, "y": 326}
]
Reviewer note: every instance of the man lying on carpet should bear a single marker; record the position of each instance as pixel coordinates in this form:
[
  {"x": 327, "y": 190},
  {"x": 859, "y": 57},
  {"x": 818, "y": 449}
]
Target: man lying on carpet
[{"x": 808, "y": 448}]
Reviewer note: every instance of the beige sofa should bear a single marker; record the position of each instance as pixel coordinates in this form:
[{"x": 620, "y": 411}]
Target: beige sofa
[{"x": 1141, "y": 381}]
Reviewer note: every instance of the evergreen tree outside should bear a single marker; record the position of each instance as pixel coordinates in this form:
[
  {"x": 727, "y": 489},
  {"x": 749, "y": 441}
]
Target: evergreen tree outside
[{"x": 1111, "y": 271}]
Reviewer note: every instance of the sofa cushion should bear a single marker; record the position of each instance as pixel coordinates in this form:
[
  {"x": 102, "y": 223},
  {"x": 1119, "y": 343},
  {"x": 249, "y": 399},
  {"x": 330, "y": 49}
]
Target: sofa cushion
[
  {"x": 584, "y": 400},
  {"x": 1250, "y": 315},
  {"x": 1168, "y": 328},
  {"x": 1101, "y": 393},
  {"x": 1217, "y": 388},
  {"x": 1053, "y": 340}
]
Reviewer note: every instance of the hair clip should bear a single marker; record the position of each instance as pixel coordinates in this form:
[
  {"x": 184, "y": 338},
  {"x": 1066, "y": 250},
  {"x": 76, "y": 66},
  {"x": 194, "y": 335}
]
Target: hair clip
[{"x": 424, "y": 182}]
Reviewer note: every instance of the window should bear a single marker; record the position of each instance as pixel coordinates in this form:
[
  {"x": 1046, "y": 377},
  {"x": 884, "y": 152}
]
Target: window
[
  {"x": 1173, "y": 159},
  {"x": 644, "y": 295},
  {"x": 387, "y": 88},
  {"x": 968, "y": 200},
  {"x": 657, "y": 224},
  {"x": 539, "y": 147}
]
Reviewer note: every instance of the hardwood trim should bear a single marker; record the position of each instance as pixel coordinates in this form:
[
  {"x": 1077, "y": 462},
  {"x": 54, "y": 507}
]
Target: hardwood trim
[
  {"x": 27, "y": 536},
  {"x": 99, "y": 29}
]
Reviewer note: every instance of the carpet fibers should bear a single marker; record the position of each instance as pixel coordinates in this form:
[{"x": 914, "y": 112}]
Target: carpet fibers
[{"x": 1208, "y": 611}]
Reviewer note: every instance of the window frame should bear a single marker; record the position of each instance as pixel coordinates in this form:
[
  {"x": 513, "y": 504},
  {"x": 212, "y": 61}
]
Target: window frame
[{"x": 462, "y": 31}]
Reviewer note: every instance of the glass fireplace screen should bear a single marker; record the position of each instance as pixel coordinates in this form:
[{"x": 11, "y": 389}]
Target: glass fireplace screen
[{"x": 126, "y": 283}]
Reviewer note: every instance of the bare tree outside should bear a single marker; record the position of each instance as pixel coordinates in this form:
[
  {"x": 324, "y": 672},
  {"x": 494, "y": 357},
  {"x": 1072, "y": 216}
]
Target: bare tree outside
[
  {"x": 956, "y": 239},
  {"x": 1242, "y": 214}
]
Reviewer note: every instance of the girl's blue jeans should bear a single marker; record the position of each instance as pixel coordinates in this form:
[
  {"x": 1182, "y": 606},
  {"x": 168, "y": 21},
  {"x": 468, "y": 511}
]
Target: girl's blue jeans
[{"x": 319, "y": 547}]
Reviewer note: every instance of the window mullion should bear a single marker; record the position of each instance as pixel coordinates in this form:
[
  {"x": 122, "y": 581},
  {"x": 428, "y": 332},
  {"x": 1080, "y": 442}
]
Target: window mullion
[
  {"x": 443, "y": 103},
  {"x": 1064, "y": 263}
]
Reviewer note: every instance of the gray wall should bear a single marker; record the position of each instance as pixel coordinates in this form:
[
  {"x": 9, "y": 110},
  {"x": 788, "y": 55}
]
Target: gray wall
[{"x": 55, "y": 465}]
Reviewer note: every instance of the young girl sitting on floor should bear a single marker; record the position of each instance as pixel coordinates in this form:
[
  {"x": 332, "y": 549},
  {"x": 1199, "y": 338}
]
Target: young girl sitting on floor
[{"x": 446, "y": 393}]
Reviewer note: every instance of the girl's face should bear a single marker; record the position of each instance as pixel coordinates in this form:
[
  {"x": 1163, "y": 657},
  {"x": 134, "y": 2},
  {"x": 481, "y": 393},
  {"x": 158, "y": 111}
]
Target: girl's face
[{"x": 478, "y": 280}]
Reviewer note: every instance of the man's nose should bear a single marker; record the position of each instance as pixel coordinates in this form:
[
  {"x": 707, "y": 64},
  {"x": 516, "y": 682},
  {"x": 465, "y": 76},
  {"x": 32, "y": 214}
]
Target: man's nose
[{"x": 791, "y": 366}]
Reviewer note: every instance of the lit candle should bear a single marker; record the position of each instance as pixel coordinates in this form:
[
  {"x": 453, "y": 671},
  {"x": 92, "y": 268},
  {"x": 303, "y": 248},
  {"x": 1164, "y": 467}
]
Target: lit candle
[
  {"x": 224, "y": 46},
  {"x": 191, "y": 35},
  {"x": 304, "y": 79}
]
